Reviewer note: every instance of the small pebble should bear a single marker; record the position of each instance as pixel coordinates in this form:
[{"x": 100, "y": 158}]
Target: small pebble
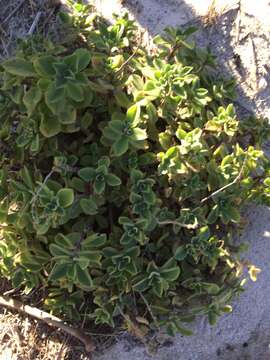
[{"x": 262, "y": 85}]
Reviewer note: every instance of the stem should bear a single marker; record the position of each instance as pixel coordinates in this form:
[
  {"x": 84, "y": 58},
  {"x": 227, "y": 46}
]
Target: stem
[
  {"x": 41, "y": 186},
  {"x": 128, "y": 60},
  {"x": 177, "y": 223},
  {"x": 238, "y": 177},
  {"x": 149, "y": 309},
  {"x": 49, "y": 319}
]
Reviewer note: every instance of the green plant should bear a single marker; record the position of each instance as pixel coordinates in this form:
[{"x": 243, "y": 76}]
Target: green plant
[{"x": 123, "y": 176}]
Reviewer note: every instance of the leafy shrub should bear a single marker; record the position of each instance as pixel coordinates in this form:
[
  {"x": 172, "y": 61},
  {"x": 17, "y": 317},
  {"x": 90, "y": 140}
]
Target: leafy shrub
[{"x": 123, "y": 175}]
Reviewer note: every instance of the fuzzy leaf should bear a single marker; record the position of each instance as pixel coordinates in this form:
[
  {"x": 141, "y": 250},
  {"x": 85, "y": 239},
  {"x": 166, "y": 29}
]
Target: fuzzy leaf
[
  {"x": 170, "y": 274},
  {"x": 141, "y": 286},
  {"x": 113, "y": 180},
  {"x": 19, "y": 67},
  {"x": 95, "y": 240},
  {"x": 120, "y": 146},
  {"x": 83, "y": 277},
  {"x": 87, "y": 174},
  {"x": 65, "y": 197},
  {"x": 83, "y": 58},
  {"x": 44, "y": 66},
  {"x": 32, "y": 98},
  {"x": 89, "y": 207},
  {"x": 180, "y": 253},
  {"x": 58, "y": 272}
]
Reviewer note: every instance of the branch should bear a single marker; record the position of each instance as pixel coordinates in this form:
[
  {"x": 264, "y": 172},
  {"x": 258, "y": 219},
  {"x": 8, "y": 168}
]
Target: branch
[
  {"x": 238, "y": 177},
  {"x": 42, "y": 186},
  {"x": 128, "y": 60},
  {"x": 35, "y": 22},
  {"x": 149, "y": 309},
  {"x": 177, "y": 223},
  {"x": 48, "y": 319}
]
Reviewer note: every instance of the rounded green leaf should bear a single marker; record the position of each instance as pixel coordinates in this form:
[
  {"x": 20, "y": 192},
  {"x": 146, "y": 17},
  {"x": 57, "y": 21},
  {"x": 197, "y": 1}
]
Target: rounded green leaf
[
  {"x": 44, "y": 66},
  {"x": 83, "y": 58},
  {"x": 180, "y": 253},
  {"x": 89, "y": 207},
  {"x": 65, "y": 197},
  {"x": 74, "y": 91},
  {"x": 49, "y": 126},
  {"x": 83, "y": 277},
  {"x": 31, "y": 98},
  {"x": 87, "y": 173},
  {"x": 139, "y": 134},
  {"x": 58, "y": 272},
  {"x": 120, "y": 146},
  {"x": 113, "y": 180},
  {"x": 141, "y": 285},
  {"x": 99, "y": 186}
]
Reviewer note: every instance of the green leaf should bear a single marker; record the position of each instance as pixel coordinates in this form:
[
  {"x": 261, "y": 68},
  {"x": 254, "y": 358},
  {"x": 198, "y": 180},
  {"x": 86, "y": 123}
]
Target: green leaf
[
  {"x": 95, "y": 240},
  {"x": 65, "y": 197},
  {"x": 139, "y": 134},
  {"x": 99, "y": 186},
  {"x": 233, "y": 214},
  {"x": 133, "y": 114},
  {"x": 89, "y": 207},
  {"x": 87, "y": 174},
  {"x": 83, "y": 277},
  {"x": 120, "y": 146},
  {"x": 58, "y": 272},
  {"x": 183, "y": 330},
  {"x": 113, "y": 180},
  {"x": 83, "y": 57},
  {"x": 74, "y": 91},
  {"x": 49, "y": 126},
  {"x": 19, "y": 67},
  {"x": 212, "y": 317},
  {"x": 32, "y": 98},
  {"x": 170, "y": 274},
  {"x": 44, "y": 66},
  {"x": 57, "y": 250},
  {"x": 141, "y": 285},
  {"x": 54, "y": 95},
  {"x": 180, "y": 253},
  {"x": 27, "y": 178}
]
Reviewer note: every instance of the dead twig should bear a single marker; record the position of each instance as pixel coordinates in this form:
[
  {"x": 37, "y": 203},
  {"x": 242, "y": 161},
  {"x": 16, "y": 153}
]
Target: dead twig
[
  {"x": 255, "y": 62},
  {"x": 238, "y": 23},
  {"x": 177, "y": 223},
  {"x": 13, "y": 12},
  {"x": 35, "y": 22},
  {"x": 49, "y": 319},
  {"x": 238, "y": 177},
  {"x": 128, "y": 60},
  {"x": 149, "y": 310}
]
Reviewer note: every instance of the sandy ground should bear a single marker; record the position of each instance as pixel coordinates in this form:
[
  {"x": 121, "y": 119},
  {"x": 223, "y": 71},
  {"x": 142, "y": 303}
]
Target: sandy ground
[{"x": 238, "y": 33}]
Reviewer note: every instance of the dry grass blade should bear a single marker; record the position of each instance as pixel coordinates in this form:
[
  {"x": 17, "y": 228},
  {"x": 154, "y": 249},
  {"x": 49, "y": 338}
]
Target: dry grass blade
[{"x": 13, "y": 12}]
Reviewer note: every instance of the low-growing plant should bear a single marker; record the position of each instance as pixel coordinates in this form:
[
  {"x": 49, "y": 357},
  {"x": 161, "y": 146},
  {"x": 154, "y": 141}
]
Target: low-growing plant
[{"x": 123, "y": 175}]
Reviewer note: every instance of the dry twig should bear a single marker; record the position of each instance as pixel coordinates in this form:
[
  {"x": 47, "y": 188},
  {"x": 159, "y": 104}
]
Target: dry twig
[
  {"x": 238, "y": 177},
  {"x": 177, "y": 223},
  {"x": 35, "y": 22},
  {"x": 48, "y": 319},
  {"x": 13, "y": 12}
]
